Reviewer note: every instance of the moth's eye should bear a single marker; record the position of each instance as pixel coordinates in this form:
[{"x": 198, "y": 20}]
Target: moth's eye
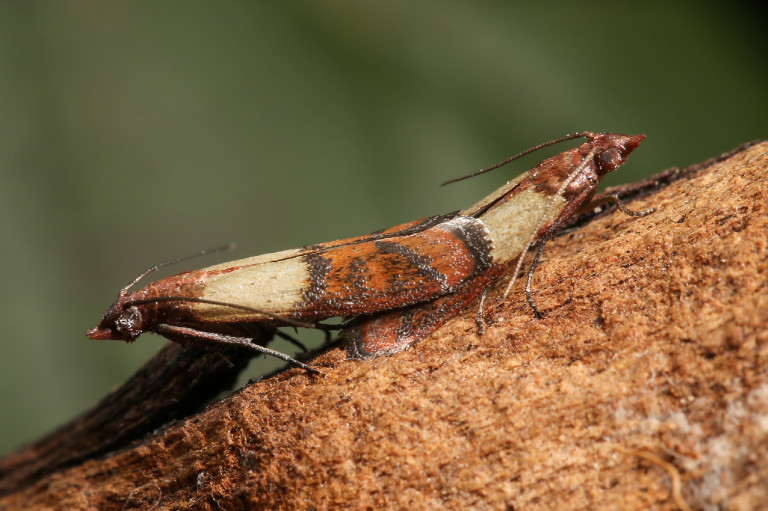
[
  {"x": 129, "y": 322},
  {"x": 610, "y": 159}
]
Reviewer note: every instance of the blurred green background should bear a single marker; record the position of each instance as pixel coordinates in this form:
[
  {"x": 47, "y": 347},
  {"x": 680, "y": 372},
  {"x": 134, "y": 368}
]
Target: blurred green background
[{"x": 134, "y": 132}]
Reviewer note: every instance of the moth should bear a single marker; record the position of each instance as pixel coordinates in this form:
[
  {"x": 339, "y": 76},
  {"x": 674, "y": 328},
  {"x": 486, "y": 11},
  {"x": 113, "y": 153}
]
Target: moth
[{"x": 397, "y": 285}]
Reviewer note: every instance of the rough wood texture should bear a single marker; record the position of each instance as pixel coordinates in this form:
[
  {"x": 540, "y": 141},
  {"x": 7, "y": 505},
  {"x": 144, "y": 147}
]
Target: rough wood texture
[{"x": 648, "y": 370}]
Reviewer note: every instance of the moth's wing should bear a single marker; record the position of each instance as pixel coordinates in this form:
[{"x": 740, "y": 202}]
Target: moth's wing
[
  {"x": 395, "y": 272},
  {"x": 307, "y": 250},
  {"x": 391, "y": 232},
  {"x": 401, "y": 266},
  {"x": 393, "y": 331}
]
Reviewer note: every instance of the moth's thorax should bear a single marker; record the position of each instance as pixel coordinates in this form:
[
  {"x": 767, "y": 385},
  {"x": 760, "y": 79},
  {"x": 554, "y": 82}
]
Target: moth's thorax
[{"x": 548, "y": 176}]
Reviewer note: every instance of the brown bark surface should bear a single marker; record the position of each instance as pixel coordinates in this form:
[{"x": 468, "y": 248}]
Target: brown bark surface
[{"x": 647, "y": 374}]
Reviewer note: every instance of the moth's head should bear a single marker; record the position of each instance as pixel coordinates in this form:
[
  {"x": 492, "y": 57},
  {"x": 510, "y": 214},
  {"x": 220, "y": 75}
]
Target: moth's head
[
  {"x": 122, "y": 321},
  {"x": 613, "y": 150}
]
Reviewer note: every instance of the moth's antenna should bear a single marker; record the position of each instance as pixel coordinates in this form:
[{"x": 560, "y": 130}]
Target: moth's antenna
[
  {"x": 223, "y": 248},
  {"x": 580, "y": 134}
]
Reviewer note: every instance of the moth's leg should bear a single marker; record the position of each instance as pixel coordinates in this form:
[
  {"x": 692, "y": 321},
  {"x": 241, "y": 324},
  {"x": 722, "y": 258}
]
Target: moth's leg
[
  {"x": 254, "y": 331},
  {"x": 191, "y": 337},
  {"x": 612, "y": 197},
  {"x": 532, "y": 269},
  {"x": 480, "y": 308},
  {"x": 597, "y": 201}
]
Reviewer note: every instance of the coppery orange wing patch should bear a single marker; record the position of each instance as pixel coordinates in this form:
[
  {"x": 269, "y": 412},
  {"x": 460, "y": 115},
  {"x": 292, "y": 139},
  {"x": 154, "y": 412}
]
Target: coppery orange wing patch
[
  {"x": 396, "y": 272},
  {"x": 393, "y": 331}
]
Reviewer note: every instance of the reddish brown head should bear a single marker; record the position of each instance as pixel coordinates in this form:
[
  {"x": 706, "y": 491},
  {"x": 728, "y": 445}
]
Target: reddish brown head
[
  {"x": 612, "y": 150},
  {"x": 122, "y": 321},
  {"x": 131, "y": 315}
]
